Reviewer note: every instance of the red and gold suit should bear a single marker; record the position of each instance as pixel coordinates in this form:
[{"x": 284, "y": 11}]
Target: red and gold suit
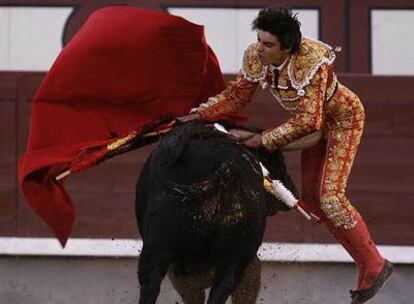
[{"x": 307, "y": 87}]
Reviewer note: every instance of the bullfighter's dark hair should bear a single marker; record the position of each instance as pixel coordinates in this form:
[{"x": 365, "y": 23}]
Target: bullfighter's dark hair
[{"x": 282, "y": 23}]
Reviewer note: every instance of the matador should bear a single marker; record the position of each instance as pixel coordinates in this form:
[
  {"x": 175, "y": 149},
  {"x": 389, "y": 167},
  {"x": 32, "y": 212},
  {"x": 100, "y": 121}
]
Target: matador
[{"x": 304, "y": 83}]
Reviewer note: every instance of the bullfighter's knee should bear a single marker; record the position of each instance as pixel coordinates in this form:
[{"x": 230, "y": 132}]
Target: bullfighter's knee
[{"x": 338, "y": 210}]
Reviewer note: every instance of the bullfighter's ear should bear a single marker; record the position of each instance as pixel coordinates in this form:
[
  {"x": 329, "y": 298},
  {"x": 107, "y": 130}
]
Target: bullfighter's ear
[{"x": 304, "y": 142}]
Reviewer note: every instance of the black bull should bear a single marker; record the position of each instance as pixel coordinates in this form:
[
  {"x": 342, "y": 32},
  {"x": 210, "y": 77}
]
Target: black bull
[{"x": 201, "y": 209}]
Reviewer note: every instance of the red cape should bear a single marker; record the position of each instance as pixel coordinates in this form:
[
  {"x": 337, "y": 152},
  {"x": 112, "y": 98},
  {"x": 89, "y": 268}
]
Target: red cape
[{"x": 125, "y": 68}]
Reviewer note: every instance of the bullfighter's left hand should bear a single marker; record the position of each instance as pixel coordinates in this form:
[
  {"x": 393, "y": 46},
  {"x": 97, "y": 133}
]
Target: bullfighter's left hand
[{"x": 249, "y": 139}]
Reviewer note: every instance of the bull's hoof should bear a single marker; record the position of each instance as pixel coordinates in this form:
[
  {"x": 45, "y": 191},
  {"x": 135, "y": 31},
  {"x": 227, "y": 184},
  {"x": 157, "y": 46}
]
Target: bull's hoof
[{"x": 363, "y": 295}]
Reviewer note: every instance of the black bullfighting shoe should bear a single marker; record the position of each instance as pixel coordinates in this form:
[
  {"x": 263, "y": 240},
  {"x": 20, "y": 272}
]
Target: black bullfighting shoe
[{"x": 363, "y": 295}]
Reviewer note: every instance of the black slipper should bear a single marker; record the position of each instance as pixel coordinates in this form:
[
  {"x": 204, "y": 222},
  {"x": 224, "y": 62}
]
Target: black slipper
[{"x": 362, "y": 295}]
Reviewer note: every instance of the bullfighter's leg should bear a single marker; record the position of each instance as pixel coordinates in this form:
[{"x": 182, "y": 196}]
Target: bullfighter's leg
[
  {"x": 325, "y": 174},
  {"x": 248, "y": 289},
  {"x": 152, "y": 268},
  {"x": 312, "y": 161},
  {"x": 190, "y": 287}
]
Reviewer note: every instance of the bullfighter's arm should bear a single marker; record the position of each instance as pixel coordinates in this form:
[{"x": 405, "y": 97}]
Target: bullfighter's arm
[
  {"x": 308, "y": 117},
  {"x": 237, "y": 94}
]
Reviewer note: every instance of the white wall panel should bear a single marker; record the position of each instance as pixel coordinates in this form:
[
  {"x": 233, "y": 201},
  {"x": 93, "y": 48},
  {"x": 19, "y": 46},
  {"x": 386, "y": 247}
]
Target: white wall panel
[
  {"x": 4, "y": 37},
  {"x": 392, "y": 42},
  {"x": 228, "y": 30},
  {"x": 220, "y": 30},
  {"x": 31, "y": 37}
]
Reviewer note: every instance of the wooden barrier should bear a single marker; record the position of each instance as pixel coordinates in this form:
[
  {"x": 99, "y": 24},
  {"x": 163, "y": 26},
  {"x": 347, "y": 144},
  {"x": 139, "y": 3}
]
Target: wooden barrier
[{"x": 380, "y": 185}]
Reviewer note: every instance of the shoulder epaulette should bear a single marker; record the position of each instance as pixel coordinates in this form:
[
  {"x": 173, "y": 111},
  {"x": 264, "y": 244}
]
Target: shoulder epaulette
[
  {"x": 252, "y": 69},
  {"x": 303, "y": 66}
]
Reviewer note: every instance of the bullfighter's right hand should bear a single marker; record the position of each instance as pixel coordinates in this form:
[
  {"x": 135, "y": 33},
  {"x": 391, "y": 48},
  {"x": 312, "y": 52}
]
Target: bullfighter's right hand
[{"x": 250, "y": 139}]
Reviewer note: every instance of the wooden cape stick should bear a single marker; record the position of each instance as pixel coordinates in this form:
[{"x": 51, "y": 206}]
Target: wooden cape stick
[{"x": 126, "y": 143}]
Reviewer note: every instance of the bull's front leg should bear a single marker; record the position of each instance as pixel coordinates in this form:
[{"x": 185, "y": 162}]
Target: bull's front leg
[
  {"x": 247, "y": 291},
  {"x": 153, "y": 266},
  {"x": 228, "y": 275}
]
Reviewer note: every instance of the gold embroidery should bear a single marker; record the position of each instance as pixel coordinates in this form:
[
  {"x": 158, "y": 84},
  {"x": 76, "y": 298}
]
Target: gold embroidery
[
  {"x": 283, "y": 80},
  {"x": 119, "y": 142},
  {"x": 308, "y": 114},
  {"x": 253, "y": 70},
  {"x": 344, "y": 127},
  {"x": 339, "y": 211},
  {"x": 304, "y": 65},
  {"x": 236, "y": 95}
]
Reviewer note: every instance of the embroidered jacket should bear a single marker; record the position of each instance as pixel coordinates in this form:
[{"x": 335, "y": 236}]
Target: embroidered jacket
[{"x": 304, "y": 85}]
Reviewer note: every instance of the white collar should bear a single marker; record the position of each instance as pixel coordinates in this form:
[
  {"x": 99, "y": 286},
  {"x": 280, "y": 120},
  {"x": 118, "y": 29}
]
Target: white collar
[{"x": 280, "y": 66}]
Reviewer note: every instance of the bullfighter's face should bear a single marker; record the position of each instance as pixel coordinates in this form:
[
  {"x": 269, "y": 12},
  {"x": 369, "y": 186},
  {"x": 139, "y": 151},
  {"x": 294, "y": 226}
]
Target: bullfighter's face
[{"x": 270, "y": 50}]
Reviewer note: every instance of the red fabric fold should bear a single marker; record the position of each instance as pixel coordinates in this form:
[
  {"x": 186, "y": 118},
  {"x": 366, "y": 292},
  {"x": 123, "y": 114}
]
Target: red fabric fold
[{"x": 125, "y": 68}]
